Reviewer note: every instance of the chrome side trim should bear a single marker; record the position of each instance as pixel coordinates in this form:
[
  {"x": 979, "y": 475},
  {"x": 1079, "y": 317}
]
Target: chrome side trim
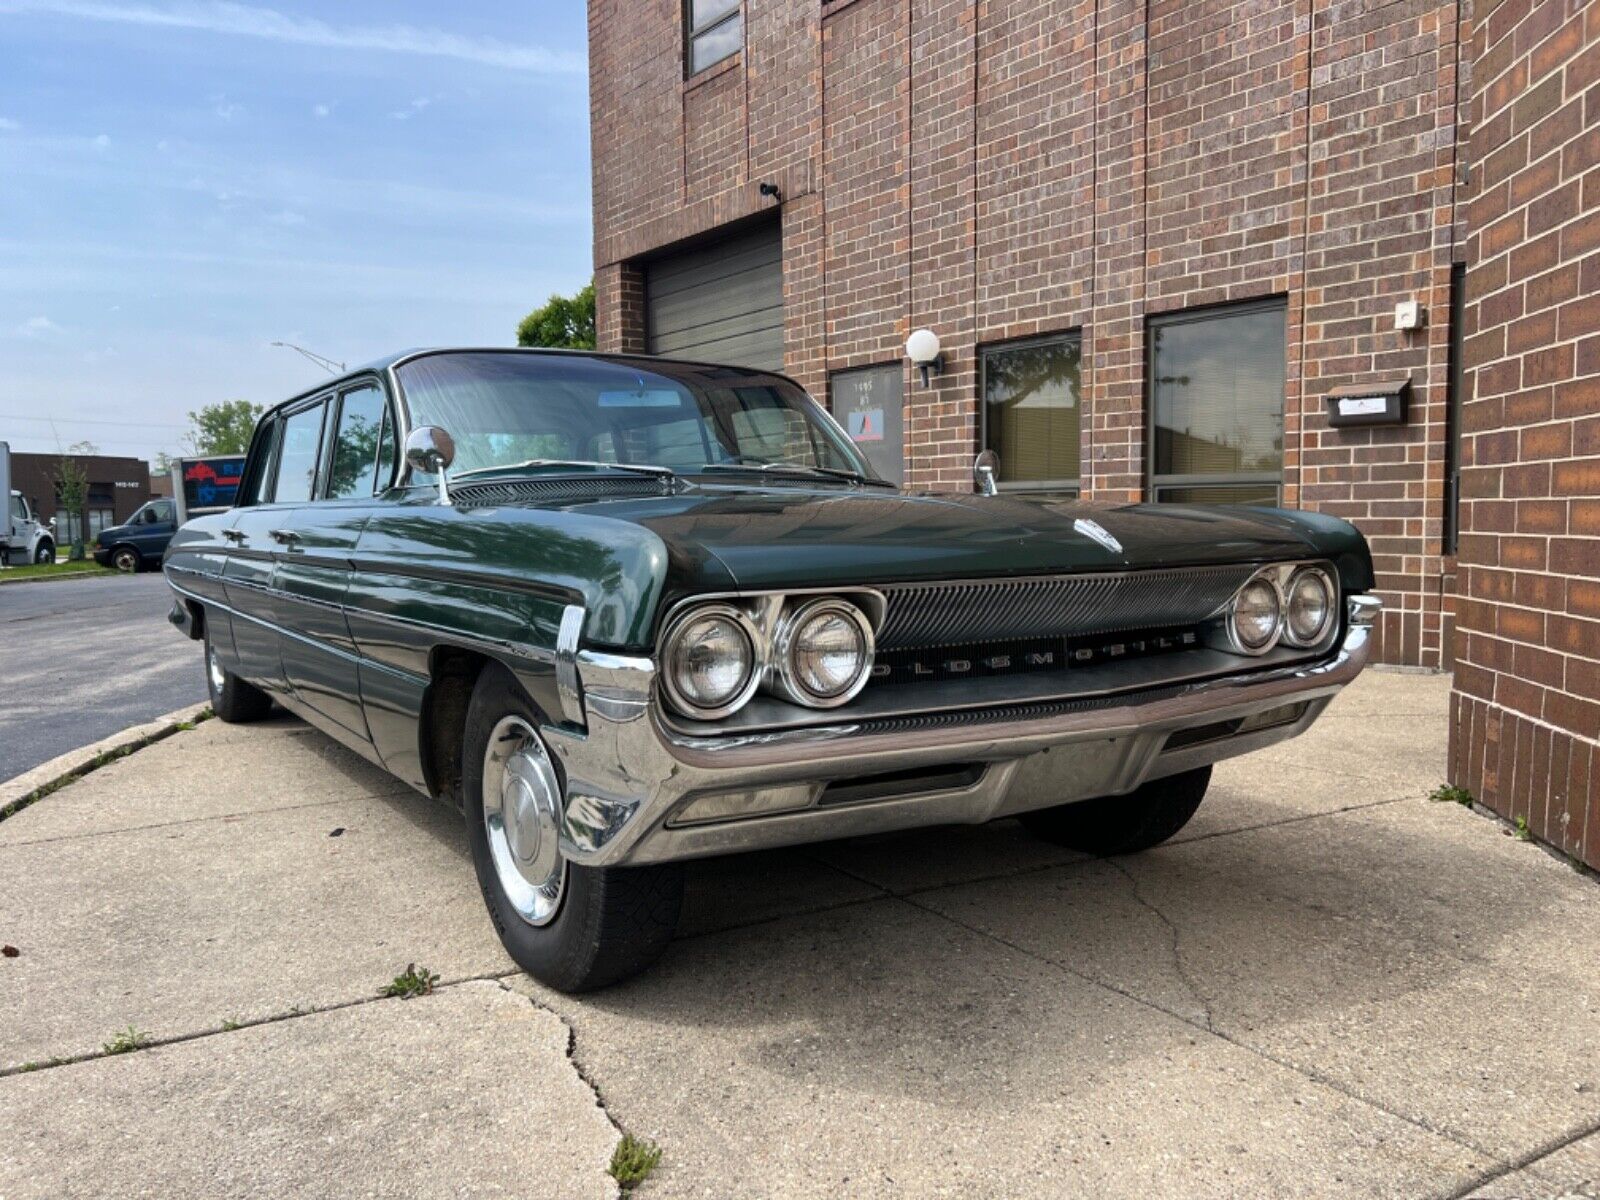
[{"x": 568, "y": 686}]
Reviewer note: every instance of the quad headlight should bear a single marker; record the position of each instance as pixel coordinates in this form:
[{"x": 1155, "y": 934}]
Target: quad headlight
[
  {"x": 822, "y": 654},
  {"x": 709, "y": 661},
  {"x": 1255, "y": 616},
  {"x": 1308, "y": 606}
]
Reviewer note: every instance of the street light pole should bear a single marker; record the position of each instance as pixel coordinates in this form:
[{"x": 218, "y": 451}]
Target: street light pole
[{"x": 327, "y": 364}]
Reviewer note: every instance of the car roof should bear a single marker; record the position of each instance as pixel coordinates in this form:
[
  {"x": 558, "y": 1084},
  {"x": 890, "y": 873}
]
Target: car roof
[{"x": 390, "y": 361}]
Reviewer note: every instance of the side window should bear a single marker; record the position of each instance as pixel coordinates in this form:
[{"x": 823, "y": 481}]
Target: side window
[
  {"x": 165, "y": 511},
  {"x": 297, "y": 457},
  {"x": 354, "y": 468},
  {"x": 18, "y": 513},
  {"x": 258, "y": 487}
]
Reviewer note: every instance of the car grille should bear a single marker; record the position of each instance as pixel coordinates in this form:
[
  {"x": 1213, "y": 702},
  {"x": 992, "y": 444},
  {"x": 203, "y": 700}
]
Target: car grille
[
  {"x": 567, "y": 490},
  {"x": 1030, "y": 656},
  {"x": 973, "y": 614}
]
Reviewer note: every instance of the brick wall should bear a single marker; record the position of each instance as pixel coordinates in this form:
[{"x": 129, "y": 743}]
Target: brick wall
[
  {"x": 1526, "y": 709},
  {"x": 1003, "y": 168}
]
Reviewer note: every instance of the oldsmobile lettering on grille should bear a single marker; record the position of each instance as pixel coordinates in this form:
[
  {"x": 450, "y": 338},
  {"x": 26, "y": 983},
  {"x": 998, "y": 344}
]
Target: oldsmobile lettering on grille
[{"x": 1037, "y": 655}]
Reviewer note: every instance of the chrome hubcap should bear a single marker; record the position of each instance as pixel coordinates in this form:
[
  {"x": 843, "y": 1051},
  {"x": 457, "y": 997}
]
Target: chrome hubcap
[
  {"x": 214, "y": 669},
  {"x": 522, "y": 816}
]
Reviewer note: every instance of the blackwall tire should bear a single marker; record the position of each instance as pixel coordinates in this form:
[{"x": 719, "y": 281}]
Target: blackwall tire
[
  {"x": 1124, "y": 824},
  {"x": 573, "y": 928},
  {"x": 232, "y": 699},
  {"x": 45, "y": 552}
]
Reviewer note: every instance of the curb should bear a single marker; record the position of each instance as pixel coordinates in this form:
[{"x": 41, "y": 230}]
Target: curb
[
  {"x": 17, "y": 793},
  {"x": 98, "y": 573}
]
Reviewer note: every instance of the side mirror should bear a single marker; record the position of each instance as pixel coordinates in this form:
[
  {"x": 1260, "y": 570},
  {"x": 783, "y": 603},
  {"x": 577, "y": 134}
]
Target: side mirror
[
  {"x": 985, "y": 471},
  {"x": 431, "y": 450}
]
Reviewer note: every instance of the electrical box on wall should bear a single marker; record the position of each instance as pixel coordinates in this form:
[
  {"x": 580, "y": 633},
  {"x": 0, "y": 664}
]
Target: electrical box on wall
[{"x": 1382, "y": 402}]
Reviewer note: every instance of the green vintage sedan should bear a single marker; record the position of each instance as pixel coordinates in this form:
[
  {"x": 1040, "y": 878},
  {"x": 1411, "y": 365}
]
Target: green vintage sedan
[{"x": 626, "y": 611}]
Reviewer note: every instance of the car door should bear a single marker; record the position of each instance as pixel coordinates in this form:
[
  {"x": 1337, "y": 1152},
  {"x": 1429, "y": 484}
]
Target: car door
[
  {"x": 320, "y": 659},
  {"x": 260, "y": 536},
  {"x": 158, "y": 522}
]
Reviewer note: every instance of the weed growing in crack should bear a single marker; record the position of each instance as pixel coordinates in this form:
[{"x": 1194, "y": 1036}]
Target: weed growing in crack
[
  {"x": 1449, "y": 792},
  {"x": 413, "y": 981},
  {"x": 127, "y": 1041},
  {"x": 1520, "y": 828},
  {"x": 632, "y": 1160}
]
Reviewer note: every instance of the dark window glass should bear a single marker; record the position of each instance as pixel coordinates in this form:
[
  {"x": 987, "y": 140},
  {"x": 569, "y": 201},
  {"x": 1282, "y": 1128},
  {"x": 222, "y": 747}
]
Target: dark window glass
[
  {"x": 716, "y": 30},
  {"x": 1216, "y": 387},
  {"x": 165, "y": 511},
  {"x": 355, "y": 445},
  {"x": 297, "y": 461},
  {"x": 259, "y": 488},
  {"x": 1452, "y": 413},
  {"x": 385, "y": 474},
  {"x": 1032, "y": 413}
]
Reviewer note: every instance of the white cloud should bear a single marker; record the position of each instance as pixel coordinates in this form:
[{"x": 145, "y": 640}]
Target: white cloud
[
  {"x": 224, "y": 108},
  {"x": 287, "y": 218},
  {"x": 7, "y": 123},
  {"x": 321, "y": 110},
  {"x": 416, "y": 106},
  {"x": 36, "y": 327},
  {"x": 242, "y": 20},
  {"x": 101, "y": 142}
]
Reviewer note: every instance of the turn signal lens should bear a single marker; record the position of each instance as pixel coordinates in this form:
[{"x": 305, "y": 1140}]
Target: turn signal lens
[{"x": 1256, "y": 614}]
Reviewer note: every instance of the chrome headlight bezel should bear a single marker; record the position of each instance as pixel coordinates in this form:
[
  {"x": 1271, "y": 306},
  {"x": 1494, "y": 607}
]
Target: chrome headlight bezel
[
  {"x": 1268, "y": 580},
  {"x": 786, "y": 677},
  {"x": 1330, "y": 591},
  {"x": 672, "y": 641}
]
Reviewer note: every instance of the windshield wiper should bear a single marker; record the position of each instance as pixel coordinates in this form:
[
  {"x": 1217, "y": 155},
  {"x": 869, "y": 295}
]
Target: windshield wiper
[
  {"x": 528, "y": 463},
  {"x": 764, "y": 465}
]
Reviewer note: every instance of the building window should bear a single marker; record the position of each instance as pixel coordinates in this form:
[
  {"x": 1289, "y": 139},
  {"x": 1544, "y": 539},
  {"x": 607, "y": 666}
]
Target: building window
[
  {"x": 1452, "y": 413},
  {"x": 1031, "y": 413},
  {"x": 716, "y": 30},
  {"x": 1216, "y": 405}
]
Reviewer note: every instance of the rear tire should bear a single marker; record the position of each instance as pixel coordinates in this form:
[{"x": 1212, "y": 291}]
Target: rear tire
[
  {"x": 573, "y": 928},
  {"x": 1127, "y": 824},
  {"x": 232, "y": 699}
]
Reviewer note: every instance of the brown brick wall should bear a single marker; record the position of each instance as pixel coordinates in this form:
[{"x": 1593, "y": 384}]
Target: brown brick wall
[
  {"x": 1003, "y": 168},
  {"x": 1526, "y": 707}
]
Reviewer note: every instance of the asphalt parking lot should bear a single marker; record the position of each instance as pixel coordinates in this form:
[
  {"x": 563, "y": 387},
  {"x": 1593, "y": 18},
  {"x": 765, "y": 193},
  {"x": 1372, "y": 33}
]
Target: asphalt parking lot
[
  {"x": 1327, "y": 986},
  {"x": 83, "y": 659}
]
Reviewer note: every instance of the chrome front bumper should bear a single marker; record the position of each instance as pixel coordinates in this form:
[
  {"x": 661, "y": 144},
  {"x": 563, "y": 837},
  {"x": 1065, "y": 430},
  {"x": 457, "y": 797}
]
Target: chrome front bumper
[{"x": 639, "y": 792}]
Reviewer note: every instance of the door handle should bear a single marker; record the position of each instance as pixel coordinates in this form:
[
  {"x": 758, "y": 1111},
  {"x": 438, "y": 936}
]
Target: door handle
[
  {"x": 236, "y": 536},
  {"x": 283, "y": 536}
]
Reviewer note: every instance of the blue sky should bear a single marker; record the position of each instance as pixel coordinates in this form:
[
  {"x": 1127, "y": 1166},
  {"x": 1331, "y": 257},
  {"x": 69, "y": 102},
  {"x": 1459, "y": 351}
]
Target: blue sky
[{"x": 183, "y": 182}]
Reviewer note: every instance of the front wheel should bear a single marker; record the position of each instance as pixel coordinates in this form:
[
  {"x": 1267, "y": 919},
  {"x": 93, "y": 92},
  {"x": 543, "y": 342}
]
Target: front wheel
[
  {"x": 125, "y": 559},
  {"x": 572, "y": 927},
  {"x": 45, "y": 553},
  {"x": 1145, "y": 817},
  {"x": 232, "y": 699}
]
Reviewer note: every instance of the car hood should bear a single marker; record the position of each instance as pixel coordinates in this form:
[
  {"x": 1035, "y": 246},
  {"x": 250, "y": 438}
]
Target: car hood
[{"x": 782, "y": 537}]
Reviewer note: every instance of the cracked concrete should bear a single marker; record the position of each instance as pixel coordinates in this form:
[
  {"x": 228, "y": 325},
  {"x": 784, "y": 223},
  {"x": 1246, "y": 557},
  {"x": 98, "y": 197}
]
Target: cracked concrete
[{"x": 1326, "y": 986}]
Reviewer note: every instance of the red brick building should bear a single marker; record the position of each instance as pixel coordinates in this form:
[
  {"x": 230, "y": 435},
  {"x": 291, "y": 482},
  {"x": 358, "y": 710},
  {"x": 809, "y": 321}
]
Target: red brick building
[
  {"x": 1526, "y": 714},
  {"x": 1155, "y": 239}
]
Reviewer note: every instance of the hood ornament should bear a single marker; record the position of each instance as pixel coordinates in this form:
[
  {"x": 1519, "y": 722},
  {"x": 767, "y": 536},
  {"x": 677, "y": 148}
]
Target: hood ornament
[{"x": 1097, "y": 532}]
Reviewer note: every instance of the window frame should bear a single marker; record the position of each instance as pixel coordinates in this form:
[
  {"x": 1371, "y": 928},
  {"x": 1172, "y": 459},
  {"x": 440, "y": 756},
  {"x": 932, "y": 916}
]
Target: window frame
[
  {"x": 692, "y": 34},
  {"x": 1455, "y": 384},
  {"x": 1071, "y": 489},
  {"x": 319, "y": 476},
  {"x": 330, "y": 439},
  {"x": 1155, "y": 484}
]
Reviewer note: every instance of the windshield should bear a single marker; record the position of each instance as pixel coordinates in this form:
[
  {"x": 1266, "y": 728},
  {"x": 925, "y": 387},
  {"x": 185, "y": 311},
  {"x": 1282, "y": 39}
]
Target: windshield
[{"x": 510, "y": 410}]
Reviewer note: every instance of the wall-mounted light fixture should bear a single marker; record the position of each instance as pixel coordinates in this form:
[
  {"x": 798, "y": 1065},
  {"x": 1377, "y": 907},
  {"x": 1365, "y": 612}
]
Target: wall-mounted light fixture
[
  {"x": 771, "y": 189},
  {"x": 922, "y": 348}
]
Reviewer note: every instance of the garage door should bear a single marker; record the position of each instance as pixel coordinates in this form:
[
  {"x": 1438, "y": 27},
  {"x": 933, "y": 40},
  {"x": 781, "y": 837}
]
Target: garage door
[{"x": 720, "y": 303}]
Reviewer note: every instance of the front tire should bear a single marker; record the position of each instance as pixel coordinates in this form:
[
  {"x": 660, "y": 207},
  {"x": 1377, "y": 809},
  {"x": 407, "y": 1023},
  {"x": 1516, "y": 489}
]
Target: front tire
[
  {"x": 126, "y": 559},
  {"x": 44, "y": 553},
  {"x": 573, "y": 928},
  {"x": 232, "y": 699},
  {"x": 1127, "y": 824}
]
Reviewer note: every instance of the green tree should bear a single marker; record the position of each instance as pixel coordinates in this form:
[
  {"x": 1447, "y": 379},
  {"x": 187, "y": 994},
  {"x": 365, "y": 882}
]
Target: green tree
[
  {"x": 222, "y": 428},
  {"x": 72, "y": 498},
  {"x": 565, "y": 322}
]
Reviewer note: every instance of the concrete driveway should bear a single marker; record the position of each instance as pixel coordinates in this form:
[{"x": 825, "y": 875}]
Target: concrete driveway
[
  {"x": 1327, "y": 986},
  {"x": 83, "y": 658}
]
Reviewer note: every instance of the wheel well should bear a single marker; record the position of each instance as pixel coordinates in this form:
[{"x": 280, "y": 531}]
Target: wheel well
[
  {"x": 126, "y": 546},
  {"x": 453, "y": 673}
]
